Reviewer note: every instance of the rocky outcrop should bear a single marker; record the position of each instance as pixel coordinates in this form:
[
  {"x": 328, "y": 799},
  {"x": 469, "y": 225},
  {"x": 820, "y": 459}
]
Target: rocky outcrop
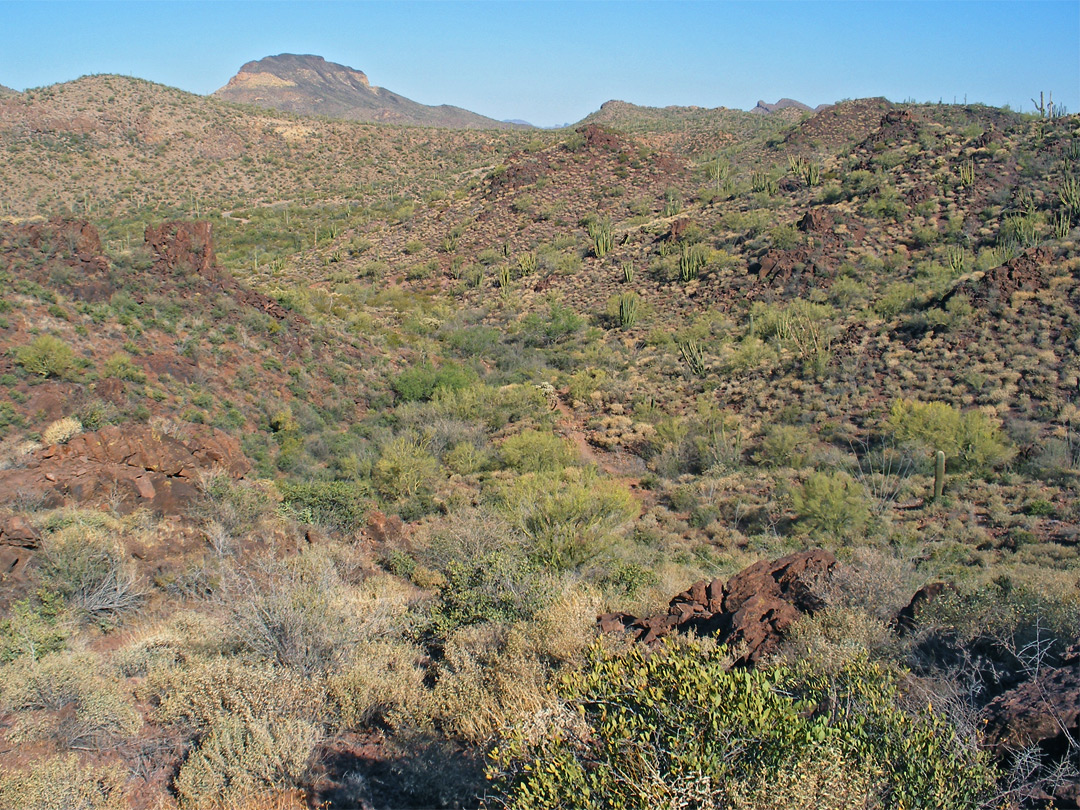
[
  {"x": 185, "y": 246},
  {"x": 750, "y": 613},
  {"x": 1045, "y": 713},
  {"x": 128, "y": 467},
  {"x": 18, "y": 539}
]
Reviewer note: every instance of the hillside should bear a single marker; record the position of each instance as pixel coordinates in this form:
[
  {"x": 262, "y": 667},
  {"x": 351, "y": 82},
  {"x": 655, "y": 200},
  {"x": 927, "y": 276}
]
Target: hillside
[
  {"x": 7, "y": 91},
  {"x": 309, "y": 85},
  {"x": 354, "y": 465}
]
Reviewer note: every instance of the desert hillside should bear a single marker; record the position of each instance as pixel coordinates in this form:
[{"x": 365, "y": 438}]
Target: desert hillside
[{"x": 683, "y": 457}]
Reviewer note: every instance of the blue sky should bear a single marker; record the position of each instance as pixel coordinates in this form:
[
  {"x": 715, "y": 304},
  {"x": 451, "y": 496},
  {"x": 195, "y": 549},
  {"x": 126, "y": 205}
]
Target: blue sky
[{"x": 555, "y": 62}]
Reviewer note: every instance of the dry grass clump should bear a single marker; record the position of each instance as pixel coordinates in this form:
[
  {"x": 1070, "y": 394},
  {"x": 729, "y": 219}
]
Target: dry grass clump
[
  {"x": 69, "y": 698},
  {"x": 62, "y": 783},
  {"x": 61, "y": 431},
  {"x": 385, "y": 682}
]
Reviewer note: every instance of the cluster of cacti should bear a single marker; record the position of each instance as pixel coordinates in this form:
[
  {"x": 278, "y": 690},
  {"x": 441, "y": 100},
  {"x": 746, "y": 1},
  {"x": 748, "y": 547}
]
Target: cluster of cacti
[
  {"x": 805, "y": 170},
  {"x": 672, "y": 203},
  {"x": 720, "y": 172},
  {"x": 629, "y": 303},
  {"x": 603, "y": 237},
  {"x": 1062, "y": 224},
  {"x": 966, "y": 171},
  {"x": 957, "y": 259},
  {"x": 1069, "y": 194},
  {"x": 505, "y": 276},
  {"x": 693, "y": 356},
  {"x": 691, "y": 260},
  {"x": 628, "y": 272},
  {"x": 1045, "y": 106},
  {"x": 763, "y": 182},
  {"x": 527, "y": 263}
]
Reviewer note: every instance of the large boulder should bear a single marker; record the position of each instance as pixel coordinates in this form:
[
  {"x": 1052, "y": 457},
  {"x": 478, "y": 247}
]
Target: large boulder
[{"x": 751, "y": 612}]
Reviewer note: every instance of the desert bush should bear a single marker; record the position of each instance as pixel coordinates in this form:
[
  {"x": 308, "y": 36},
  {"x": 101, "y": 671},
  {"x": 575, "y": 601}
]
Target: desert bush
[
  {"x": 498, "y": 586},
  {"x": 678, "y": 727},
  {"x": 295, "y": 614},
  {"x": 420, "y": 383},
  {"x": 405, "y": 469},
  {"x": 494, "y": 407},
  {"x": 340, "y": 505},
  {"x": 33, "y": 627},
  {"x": 784, "y": 446},
  {"x": 61, "y": 431},
  {"x": 831, "y": 504},
  {"x": 383, "y": 683},
  {"x": 63, "y": 783},
  {"x": 122, "y": 367},
  {"x": 194, "y": 696},
  {"x": 490, "y": 679},
  {"x": 536, "y": 451},
  {"x": 970, "y": 441},
  {"x": 91, "y": 572},
  {"x": 69, "y": 698},
  {"x": 241, "y": 760},
  {"x": 565, "y": 516},
  {"x": 46, "y": 356}
]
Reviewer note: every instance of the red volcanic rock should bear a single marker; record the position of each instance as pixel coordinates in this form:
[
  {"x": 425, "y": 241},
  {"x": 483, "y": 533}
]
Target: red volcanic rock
[
  {"x": 130, "y": 466},
  {"x": 751, "y": 612},
  {"x": 182, "y": 245},
  {"x": 816, "y": 220}
]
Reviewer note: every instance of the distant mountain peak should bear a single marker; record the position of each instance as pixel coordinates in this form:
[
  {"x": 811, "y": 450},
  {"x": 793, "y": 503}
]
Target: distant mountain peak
[
  {"x": 764, "y": 108},
  {"x": 309, "y": 85},
  {"x": 7, "y": 91}
]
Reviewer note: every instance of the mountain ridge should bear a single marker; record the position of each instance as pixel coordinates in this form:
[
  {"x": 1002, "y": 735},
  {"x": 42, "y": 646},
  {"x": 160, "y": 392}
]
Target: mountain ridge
[{"x": 306, "y": 84}]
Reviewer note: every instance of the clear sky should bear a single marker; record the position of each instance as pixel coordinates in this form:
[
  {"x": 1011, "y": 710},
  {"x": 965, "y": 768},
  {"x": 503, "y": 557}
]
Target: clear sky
[{"x": 555, "y": 62}]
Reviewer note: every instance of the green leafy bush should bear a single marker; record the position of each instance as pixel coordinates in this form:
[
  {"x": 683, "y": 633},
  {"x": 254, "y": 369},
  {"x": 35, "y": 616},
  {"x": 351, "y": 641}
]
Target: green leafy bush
[
  {"x": 970, "y": 441},
  {"x": 676, "y": 727},
  {"x": 341, "y": 505},
  {"x": 46, "y": 356},
  {"x": 420, "y": 383},
  {"x": 536, "y": 451}
]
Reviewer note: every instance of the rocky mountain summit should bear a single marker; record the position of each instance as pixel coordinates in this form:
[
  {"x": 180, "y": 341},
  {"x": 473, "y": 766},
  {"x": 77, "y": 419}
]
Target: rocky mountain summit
[
  {"x": 309, "y": 85},
  {"x": 764, "y": 108}
]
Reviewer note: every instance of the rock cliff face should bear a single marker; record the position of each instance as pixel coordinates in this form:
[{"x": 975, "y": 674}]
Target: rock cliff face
[{"x": 309, "y": 85}]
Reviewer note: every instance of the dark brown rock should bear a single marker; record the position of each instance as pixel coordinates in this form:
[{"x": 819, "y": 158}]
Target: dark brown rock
[
  {"x": 907, "y": 618},
  {"x": 183, "y": 246},
  {"x": 816, "y": 220},
  {"x": 1044, "y": 712},
  {"x": 751, "y": 613}
]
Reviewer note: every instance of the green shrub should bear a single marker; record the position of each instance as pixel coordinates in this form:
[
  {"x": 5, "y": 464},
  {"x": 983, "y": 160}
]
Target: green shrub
[
  {"x": 419, "y": 383},
  {"x": 46, "y": 356},
  {"x": 340, "y": 505},
  {"x": 33, "y": 627},
  {"x": 498, "y": 586},
  {"x": 405, "y": 469},
  {"x": 122, "y": 367},
  {"x": 831, "y": 504},
  {"x": 970, "y": 441},
  {"x": 566, "y": 516},
  {"x": 91, "y": 572},
  {"x": 676, "y": 727},
  {"x": 536, "y": 451}
]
